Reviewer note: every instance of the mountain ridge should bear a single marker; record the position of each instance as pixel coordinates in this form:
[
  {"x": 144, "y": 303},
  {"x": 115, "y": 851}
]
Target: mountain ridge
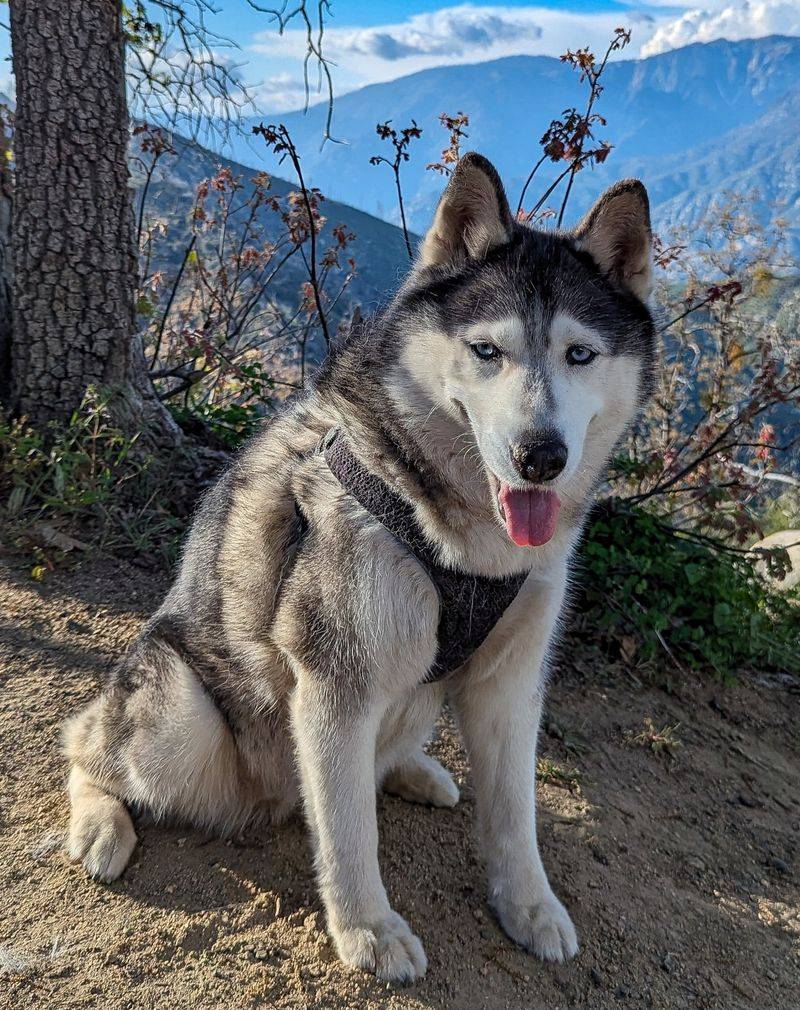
[{"x": 687, "y": 122}]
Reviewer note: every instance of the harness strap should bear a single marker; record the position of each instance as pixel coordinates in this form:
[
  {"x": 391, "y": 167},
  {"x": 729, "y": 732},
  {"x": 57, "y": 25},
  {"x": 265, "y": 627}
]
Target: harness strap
[
  {"x": 470, "y": 605},
  {"x": 376, "y": 497}
]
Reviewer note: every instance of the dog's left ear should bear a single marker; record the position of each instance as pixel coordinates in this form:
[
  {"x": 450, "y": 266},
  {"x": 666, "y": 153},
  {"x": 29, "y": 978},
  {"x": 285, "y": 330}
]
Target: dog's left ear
[
  {"x": 473, "y": 216},
  {"x": 616, "y": 234}
]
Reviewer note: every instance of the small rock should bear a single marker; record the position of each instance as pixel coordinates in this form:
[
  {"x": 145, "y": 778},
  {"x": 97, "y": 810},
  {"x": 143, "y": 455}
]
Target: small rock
[
  {"x": 744, "y": 988},
  {"x": 478, "y": 914},
  {"x": 596, "y": 976},
  {"x": 780, "y": 865},
  {"x": 622, "y": 992},
  {"x": 668, "y": 962}
]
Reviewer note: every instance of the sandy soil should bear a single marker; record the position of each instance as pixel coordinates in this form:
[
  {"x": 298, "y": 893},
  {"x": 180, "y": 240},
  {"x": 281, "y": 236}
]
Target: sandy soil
[{"x": 681, "y": 872}]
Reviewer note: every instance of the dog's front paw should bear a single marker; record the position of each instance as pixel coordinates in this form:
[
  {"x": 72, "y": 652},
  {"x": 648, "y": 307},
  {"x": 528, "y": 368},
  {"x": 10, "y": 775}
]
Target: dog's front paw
[
  {"x": 388, "y": 949},
  {"x": 542, "y": 927}
]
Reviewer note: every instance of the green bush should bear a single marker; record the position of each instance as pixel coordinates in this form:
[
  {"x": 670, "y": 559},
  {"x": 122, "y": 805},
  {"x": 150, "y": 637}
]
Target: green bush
[
  {"x": 237, "y": 413},
  {"x": 682, "y": 600},
  {"x": 80, "y": 485},
  {"x": 230, "y": 424}
]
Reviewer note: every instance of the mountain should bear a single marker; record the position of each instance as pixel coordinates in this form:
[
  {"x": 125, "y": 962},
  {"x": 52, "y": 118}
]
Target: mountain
[
  {"x": 378, "y": 249},
  {"x": 690, "y": 123}
]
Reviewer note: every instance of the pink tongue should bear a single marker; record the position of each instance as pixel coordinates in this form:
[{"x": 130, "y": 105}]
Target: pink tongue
[{"x": 530, "y": 516}]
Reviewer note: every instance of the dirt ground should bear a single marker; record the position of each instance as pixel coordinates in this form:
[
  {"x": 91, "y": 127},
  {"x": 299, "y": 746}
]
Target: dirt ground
[{"x": 680, "y": 864}]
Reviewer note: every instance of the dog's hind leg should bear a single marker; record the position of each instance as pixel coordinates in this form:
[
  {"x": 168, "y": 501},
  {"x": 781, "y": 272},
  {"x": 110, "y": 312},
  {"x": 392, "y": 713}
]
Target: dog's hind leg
[
  {"x": 421, "y": 779},
  {"x": 153, "y": 740},
  {"x": 403, "y": 767}
]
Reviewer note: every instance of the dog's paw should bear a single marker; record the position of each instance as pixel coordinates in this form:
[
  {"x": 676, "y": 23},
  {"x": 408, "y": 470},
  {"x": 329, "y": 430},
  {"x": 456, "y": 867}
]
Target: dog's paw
[
  {"x": 103, "y": 839},
  {"x": 387, "y": 949},
  {"x": 542, "y": 927},
  {"x": 421, "y": 779}
]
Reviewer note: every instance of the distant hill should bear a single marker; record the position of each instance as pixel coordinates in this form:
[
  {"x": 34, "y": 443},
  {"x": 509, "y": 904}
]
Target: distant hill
[
  {"x": 379, "y": 248},
  {"x": 690, "y": 123}
]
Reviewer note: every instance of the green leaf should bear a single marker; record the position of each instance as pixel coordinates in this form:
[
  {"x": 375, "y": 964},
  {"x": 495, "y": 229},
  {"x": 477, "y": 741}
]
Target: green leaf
[
  {"x": 722, "y": 612},
  {"x": 16, "y": 500},
  {"x": 693, "y": 573}
]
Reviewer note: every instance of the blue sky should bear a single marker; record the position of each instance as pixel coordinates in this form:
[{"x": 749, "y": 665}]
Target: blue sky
[
  {"x": 244, "y": 20},
  {"x": 379, "y": 40}
]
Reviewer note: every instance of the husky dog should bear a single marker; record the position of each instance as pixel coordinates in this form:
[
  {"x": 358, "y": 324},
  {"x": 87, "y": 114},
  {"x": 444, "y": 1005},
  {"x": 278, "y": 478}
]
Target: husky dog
[{"x": 292, "y": 656}]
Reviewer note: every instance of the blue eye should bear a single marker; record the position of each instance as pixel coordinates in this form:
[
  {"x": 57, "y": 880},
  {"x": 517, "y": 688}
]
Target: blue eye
[
  {"x": 579, "y": 354},
  {"x": 485, "y": 351}
]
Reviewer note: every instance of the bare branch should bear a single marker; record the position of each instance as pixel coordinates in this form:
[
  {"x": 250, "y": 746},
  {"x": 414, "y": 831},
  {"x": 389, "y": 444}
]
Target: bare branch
[{"x": 314, "y": 25}]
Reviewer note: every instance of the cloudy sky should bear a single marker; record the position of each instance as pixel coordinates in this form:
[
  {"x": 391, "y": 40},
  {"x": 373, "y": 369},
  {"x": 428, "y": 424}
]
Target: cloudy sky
[{"x": 377, "y": 40}]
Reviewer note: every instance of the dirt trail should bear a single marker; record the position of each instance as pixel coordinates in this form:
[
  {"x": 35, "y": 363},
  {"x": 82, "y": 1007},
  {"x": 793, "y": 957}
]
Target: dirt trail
[{"x": 682, "y": 873}]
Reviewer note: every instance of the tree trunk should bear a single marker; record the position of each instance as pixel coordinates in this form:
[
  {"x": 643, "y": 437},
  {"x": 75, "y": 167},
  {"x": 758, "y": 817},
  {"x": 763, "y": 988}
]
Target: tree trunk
[
  {"x": 6, "y": 203},
  {"x": 74, "y": 257}
]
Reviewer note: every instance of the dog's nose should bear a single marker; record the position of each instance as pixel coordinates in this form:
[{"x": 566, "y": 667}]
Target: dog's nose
[{"x": 539, "y": 461}]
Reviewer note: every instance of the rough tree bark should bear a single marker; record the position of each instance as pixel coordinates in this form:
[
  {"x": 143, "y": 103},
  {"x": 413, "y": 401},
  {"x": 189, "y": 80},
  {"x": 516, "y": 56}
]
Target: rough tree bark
[
  {"x": 6, "y": 203},
  {"x": 74, "y": 258}
]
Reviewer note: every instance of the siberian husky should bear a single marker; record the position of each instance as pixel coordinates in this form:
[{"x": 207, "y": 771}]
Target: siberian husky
[{"x": 296, "y": 654}]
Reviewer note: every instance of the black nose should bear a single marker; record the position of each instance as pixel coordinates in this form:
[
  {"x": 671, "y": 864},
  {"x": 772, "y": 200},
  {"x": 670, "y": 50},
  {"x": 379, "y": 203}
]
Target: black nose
[{"x": 541, "y": 460}]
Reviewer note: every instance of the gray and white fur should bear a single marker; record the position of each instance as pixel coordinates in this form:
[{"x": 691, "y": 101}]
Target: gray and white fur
[{"x": 287, "y": 660}]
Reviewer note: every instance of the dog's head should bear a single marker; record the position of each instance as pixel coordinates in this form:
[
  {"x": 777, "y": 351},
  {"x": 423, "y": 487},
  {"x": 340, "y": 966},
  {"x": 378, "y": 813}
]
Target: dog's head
[{"x": 539, "y": 344}]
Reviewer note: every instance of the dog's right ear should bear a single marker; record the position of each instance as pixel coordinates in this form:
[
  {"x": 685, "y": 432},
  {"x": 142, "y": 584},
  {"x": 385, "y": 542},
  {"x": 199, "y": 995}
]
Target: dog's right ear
[
  {"x": 617, "y": 235},
  {"x": 473, "y": 216}
]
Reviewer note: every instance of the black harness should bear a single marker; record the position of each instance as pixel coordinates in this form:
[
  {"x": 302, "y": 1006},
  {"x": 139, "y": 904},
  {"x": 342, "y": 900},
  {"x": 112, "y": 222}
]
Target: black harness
[{"x": 470, "y": 605}]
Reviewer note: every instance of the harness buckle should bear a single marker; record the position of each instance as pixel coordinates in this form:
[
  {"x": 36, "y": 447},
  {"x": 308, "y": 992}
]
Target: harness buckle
[{"x": 327, "y": 440}]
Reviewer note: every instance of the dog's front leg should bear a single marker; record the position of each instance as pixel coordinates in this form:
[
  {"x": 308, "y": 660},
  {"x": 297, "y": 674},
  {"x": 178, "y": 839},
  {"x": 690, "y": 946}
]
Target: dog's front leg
[
  {"x": 335, "y": 738},
  {"x": 499, "y": 707}
]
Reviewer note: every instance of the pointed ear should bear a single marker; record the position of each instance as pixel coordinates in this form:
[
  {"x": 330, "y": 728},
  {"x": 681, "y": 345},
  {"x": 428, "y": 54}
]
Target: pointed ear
[
  {"x": 472, "y": 218},
  {"x": 616, "y": 234}
]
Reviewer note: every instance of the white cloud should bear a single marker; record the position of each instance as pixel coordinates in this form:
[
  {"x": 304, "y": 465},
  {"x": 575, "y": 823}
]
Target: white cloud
[
  {"x": 745, "y": 20},
  {"x": 279, "y": 93},
  {"x": 453, "y": 31},
  {"x": 451, "y": 35}
]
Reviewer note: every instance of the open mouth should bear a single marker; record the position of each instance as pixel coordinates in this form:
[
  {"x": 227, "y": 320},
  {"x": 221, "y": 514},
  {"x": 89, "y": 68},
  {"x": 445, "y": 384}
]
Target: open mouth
[{"x": 530, "y": 515}]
